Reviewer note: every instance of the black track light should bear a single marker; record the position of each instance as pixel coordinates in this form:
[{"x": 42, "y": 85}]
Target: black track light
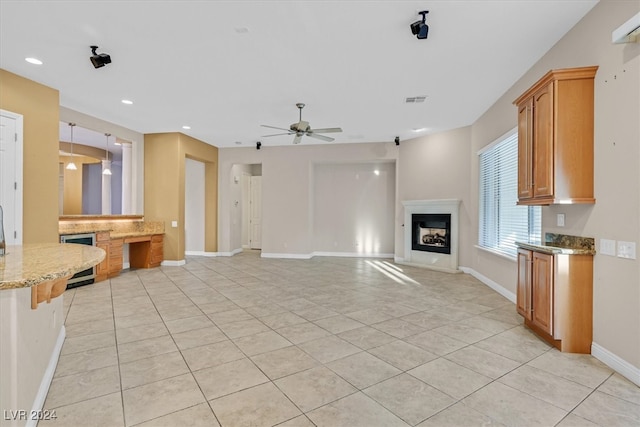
[
  {"x": 419, "y": 28},
  {"x": 258, "y": 145},
  {"x": 99, "y": 59},
  {"x": 397, "y": 140}
]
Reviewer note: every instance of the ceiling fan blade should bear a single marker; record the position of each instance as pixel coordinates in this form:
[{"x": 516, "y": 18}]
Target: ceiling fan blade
[
  {"x": 297, "y": 138},
  {"x": 326, "y": 130},
  {"x": 274, "y": 127},
  {"x": 318, "y": 136},
  {"x": 277, "y": 134}
]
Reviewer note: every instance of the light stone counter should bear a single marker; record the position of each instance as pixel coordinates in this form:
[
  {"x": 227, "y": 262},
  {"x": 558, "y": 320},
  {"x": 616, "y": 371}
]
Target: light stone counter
[
  {"x": 33, "y": 278},
  {"x": 31, "y": 264}
]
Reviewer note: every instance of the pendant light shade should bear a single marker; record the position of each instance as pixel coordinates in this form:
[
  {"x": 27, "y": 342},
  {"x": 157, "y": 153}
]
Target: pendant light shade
[
  {"x": 71, "y": 166},
  {"x": 107, "y": 170}
]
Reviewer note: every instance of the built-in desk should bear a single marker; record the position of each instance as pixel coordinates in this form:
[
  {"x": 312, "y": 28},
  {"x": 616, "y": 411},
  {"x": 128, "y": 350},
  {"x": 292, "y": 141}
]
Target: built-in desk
[{"x": 145, "y": 240}]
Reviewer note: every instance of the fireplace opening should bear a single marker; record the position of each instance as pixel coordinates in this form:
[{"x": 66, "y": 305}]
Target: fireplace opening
[{"x": 431, "y": 233}]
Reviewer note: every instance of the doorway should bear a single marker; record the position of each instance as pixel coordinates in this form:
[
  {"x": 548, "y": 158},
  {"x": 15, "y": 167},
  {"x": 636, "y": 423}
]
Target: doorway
[
  {"x": 11, "y": 176},
  {"x": 194, "y": 207},
  {"x": 246, "y": 209}
]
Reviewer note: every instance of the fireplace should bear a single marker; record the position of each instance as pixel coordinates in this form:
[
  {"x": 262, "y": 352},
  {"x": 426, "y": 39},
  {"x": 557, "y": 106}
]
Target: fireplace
[{"x": 431, "y": 233}]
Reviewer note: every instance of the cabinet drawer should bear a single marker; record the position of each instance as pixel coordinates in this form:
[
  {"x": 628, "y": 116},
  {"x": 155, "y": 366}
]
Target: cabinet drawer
[
  {"x": 102, "y": 236},
  {"x": 157, "y": 238}
]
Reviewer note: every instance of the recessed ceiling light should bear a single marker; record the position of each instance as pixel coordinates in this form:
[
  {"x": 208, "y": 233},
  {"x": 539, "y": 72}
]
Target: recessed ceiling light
[
  {"x": 126, "y": 101},
  {"x": 186, "y": 127},
  {"x": 34, "y": 61},
  {"x": 419, "y": 129}
]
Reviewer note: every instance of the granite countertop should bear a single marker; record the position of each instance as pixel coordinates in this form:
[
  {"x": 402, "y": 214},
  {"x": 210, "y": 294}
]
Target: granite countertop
[
  {"x": 125, "y": 234},
  {"x": 562, "y": 244},
  {"x": 31, "y": 264},
  {"x": 117, "y": 229}
]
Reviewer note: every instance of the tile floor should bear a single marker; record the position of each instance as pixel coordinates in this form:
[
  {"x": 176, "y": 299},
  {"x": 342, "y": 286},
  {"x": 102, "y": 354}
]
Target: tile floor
[{"x": 246, "y": 341}]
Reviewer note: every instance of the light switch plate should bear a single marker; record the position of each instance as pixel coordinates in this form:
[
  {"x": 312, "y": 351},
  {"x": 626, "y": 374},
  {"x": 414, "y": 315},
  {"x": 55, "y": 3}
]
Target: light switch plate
[
  {"x": 174, "y": 224},
  {"x": 627, "y": 250},
  {"x": 607, "y": 247}
]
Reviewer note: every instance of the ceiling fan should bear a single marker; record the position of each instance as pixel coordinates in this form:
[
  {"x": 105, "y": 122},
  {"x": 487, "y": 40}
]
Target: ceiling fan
[{"x": 302, "y": 128}]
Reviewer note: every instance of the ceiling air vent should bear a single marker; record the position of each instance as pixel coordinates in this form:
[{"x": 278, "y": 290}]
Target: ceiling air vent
[{"x": 415, "y": 99}]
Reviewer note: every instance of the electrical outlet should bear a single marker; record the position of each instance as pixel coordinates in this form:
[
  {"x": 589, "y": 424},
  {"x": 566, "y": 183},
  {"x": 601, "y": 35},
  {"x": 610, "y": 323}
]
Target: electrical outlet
[
  {"x": 608, "y": 247},
  {"x": 560, "y": 220},
  {"x": 627, "y": 250}
]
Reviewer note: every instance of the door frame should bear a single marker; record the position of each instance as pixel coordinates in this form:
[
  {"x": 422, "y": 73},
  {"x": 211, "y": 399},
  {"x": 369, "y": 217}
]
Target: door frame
[{"x": 19, "y": 191}]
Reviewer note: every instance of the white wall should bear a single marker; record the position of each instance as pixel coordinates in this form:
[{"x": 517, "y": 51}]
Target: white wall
[{"x": 193, "y": 206}]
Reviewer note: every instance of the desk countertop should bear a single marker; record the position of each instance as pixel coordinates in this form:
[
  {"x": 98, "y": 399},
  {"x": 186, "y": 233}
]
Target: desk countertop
[{"x": 31, "y": 264}]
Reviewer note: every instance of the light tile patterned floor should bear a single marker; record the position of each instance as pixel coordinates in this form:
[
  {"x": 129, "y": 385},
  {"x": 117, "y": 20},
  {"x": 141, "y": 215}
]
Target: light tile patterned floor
[{"x": 246, "y": 341}]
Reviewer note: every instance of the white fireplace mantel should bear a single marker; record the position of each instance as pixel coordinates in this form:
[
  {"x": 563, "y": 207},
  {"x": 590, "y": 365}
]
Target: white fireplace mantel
[{"x": 436, "y": 261}]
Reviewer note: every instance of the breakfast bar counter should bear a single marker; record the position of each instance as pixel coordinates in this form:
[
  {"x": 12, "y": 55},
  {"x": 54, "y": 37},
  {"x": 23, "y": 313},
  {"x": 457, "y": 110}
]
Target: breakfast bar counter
[
  {"x": 32, "y": 264},
  {"x": 33, "y": 278}
]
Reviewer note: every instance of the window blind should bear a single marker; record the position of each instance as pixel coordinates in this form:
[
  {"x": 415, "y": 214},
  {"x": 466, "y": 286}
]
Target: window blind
[{"x": 502, "y": 222}]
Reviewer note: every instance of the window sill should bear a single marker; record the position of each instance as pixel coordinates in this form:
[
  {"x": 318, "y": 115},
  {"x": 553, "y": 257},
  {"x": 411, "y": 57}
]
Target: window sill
[{"x": 496, "y": 253}]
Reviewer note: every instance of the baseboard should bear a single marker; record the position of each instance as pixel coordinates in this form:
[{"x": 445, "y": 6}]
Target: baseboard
[
  {"x": 490, "y": 283},
  {"x": 352, "y": 254},
  {"x": 173, "y": 263},
  {"x": 201, "y": 253},
  {"x": 616, "y": 363},
  {"x": 288, "y": 256},
  {"x": 38, "y": 402},
  {"x": 325, "y": 254}
]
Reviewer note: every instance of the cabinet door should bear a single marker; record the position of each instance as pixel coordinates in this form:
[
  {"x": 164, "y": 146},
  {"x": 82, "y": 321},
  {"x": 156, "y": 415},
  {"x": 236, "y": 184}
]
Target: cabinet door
[
  {"x": 102, "y": 269},
  {"x": 542, "y": 290},
  {"x": 543, "y": 142},
  {"x": 523, "y": 299},
  {"x": 525, "y": 150}
]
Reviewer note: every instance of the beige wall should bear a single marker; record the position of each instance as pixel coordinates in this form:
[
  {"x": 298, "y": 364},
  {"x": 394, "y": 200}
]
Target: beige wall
[
  {"x": 164, "y": 178},
  {"x": 39, "y": 106},
  {"x": 616, "y": 214},
  {"x": 287, "y": 196},
  {"x": 72, "y": 197},
  {"x": 436, "y": 167}
]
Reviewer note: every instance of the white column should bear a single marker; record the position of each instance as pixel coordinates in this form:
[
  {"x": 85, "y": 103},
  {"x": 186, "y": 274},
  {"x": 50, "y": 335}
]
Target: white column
[
  {"x": 127, "y": 185},
  {"x": 106, "y": 188}
]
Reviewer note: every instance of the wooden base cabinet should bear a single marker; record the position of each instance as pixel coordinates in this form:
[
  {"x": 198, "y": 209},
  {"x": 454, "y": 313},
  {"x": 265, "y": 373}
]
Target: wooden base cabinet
[
  {"x": 555, "y": 138},
  {"x": 102, "y": 269},
  {"x": 555, "y": 297},
  {"x": 146, "y": 252},
  {"x": 115, "y": 257}
]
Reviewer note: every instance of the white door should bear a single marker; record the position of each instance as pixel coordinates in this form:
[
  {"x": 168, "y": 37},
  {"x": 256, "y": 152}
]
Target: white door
[
  {"x": 255, "y": 215},
  {"x": 11, "y": 176},
  {"x": 246, "y": 203}
]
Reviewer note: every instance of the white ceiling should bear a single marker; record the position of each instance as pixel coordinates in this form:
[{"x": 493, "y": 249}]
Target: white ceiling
[{"x": 226, "y": 67}]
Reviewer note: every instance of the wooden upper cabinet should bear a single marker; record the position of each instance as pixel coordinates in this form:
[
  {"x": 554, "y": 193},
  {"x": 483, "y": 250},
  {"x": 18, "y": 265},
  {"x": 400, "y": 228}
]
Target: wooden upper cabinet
[
  {"x": 525, "y": 150},
  {"x": 555, "y": 138}
]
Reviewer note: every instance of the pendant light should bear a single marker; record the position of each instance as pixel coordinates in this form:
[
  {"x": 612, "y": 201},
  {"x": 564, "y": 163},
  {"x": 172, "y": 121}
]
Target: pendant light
[
  {"x": 71, "y": 166},
  {"x": 106, "y": 170}
]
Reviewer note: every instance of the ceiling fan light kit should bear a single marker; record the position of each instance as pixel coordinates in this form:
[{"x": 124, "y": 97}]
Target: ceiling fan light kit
[{"x": 302, "y": 128}]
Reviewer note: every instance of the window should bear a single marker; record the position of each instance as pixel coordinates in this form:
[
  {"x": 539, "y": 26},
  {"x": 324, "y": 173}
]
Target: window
[{"x": 502, "y": 222}]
